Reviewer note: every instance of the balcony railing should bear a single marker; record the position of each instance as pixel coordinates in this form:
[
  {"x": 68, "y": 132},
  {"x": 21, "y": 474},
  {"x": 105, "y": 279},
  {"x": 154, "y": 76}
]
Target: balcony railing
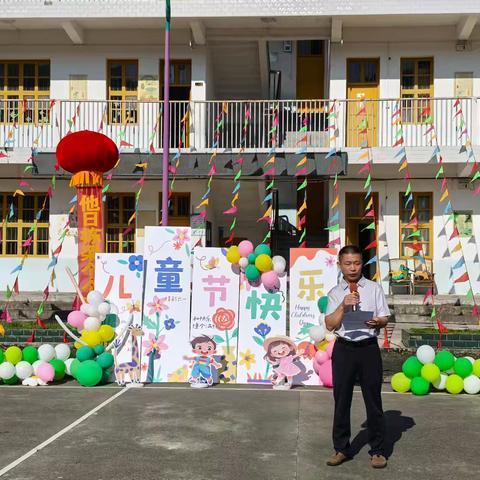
[{"x": 137, "y": 126}]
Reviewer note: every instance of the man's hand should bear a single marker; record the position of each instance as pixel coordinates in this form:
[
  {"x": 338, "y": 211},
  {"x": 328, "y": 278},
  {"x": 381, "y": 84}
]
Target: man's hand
[
  {"x": 351, "y": 299},
  {"x": 377, "y": 322}
]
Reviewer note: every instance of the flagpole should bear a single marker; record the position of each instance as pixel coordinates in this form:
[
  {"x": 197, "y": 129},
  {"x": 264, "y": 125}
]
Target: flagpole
[{"x": 166, "y": 116}]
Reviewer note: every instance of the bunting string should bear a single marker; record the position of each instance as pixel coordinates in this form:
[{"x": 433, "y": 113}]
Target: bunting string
[
  {"x": 173, "y": 168},
  {"x": 302, "y": 172}
]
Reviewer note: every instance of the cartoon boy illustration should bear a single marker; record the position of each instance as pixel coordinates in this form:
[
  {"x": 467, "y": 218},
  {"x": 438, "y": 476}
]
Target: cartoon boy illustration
[{"x": 204, "y": 349}]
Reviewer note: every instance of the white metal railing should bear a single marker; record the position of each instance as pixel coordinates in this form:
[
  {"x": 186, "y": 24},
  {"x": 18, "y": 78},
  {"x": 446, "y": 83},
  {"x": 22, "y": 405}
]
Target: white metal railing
[{"x": 137, "y": 126}]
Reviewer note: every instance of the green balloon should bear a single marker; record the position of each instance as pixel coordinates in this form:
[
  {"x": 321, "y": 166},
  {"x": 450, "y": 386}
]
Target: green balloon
[
  {"x": 323, "y": 304},
  {"x": 13, "y": 355},
  {"x": 59, "y": 367},
  {"x": 454, "y": 384},
  {"x": 251, "y": 259},
  {"x": 444, "y": 360},
  {"x": 99, "y": 349},
  {"x": 252, "y": 273},
  {"x": 2, "y": 356},
  {"x": 11, "y": 381},
  {"x": 105, "y": 360},
  {"x": 419, "y": 386},
  {"x": 105, "y": 377},
  {"x": 476, "y": 367},
  {"x": 412, "y": 367},
  {"x": 85, "y": 353},
  {"x": 400, "y": 382},
  {"x": 30, "y": 354},
  {"x": 263, "y": 249},
  {"x": 463, "y": 367},
  {"x": 74, "y": 367},
  {"x": 430, "y": 372},
  {"x": 89, "y": 373}
]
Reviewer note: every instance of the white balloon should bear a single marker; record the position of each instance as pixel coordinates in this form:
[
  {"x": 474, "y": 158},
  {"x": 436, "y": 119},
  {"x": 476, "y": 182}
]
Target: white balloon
[
  {"x": 104, "y": 308},
  {"x": 440, "y": 383},
  {"x": 7, "y": 370},
  {"x": 472, "y": 360},
  {"x": 46, "y": 352},
  {"x": 279, "y": 259},
  {"x": 88, "y": 309},
  {"x": 471, "y": 384},
  {"x": 35, "y": 366},
  {"x": 62, "y": 351},
  {"x": 329, "y": 336},
  {"x": 23, "y": 370},
  {"x": 68, "y": 365},
  {"x": 425, "y": 354},
  {"x": 113, "y": 309},
  {"x": 317, "y": 333},
  {"x": 279, "y": 268},
  {"x": 91, "y": 324},
  {"x": 243, "y": 262},
  {"x": 95, "y": 298}
]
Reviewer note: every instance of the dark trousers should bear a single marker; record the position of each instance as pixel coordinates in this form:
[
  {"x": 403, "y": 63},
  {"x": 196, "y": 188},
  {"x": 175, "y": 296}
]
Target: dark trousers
[{"x": 349, "y": 362}]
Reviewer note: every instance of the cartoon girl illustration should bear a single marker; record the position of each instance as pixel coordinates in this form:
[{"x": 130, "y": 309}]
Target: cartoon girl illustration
[{"x": 282, "y": 354}]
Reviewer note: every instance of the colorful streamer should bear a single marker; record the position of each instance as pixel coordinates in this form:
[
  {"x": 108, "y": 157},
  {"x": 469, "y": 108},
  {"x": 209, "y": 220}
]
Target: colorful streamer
[{"x": 302, "y": 171}]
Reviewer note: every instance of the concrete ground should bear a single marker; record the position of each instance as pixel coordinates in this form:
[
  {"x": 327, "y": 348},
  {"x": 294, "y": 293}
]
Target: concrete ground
[{"x": 224, "y": 433}]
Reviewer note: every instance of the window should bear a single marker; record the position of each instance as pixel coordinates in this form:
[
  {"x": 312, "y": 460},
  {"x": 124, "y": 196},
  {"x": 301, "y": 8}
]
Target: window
[
  {"x": 24, "y": 91},
  {"x": 307, "y": 48},
  {"x": 119, "y": 207},
  {"x": 422, "y": 202},
  {"x": 178, "y": 209},
  {"x": 180, "y": 79},
  {"x": 416, "y": 87},
  {"x": 122, "y": 91},
  {"x": 19, "y": 216},
  {"x": 362, "y": 71}
]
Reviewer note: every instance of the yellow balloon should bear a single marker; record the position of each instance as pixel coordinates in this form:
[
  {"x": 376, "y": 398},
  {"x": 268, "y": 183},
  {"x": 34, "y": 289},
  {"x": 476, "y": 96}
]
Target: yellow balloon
[
  {"x": 106, "y": 333},
  {"x": 233, "y": 255},
  {"x": 78, "y": 345},
  {"x": 92, "y": 339},
  {"x": 323, "y": 345},
  {"x": 264, "y": 262}
]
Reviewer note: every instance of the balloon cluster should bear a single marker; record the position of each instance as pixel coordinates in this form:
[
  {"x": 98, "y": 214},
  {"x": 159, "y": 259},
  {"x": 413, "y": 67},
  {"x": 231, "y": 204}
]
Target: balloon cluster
[
  {"x": 34, "y": 366},
  {"x": 323, "y": 342},
  {"x": 91, "y": 365},
  {"x": 257, "y": 263},
  {"x": 441, "y": 369},
  {"x": 88, "y": 320}
]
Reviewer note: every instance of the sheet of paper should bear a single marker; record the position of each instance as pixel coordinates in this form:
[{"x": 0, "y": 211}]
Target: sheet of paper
[{"x": 356, "y": 320}]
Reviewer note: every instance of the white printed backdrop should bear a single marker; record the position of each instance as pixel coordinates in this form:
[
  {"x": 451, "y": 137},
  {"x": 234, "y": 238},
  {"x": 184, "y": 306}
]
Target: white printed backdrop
[
  {"x": 262, "y": 314},
  {"x": 166, "y": 306},
  {"x": 313, "y": 273},
  {"x": 119, "y": 277},
  {"x": 215, "y": 292}
]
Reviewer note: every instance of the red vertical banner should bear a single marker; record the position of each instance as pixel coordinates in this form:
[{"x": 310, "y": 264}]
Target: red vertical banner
[{"x": 91, "y": 234}]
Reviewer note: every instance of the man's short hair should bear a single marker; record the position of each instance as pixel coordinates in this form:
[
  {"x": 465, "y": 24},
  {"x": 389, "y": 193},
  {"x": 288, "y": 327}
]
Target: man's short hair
[{"x": 349, "y": 249}]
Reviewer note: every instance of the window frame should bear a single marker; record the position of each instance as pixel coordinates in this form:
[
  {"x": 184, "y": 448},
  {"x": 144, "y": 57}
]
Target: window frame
[
  {"x": 177, "y": 219},
  {"x": 120, "y": 226}
]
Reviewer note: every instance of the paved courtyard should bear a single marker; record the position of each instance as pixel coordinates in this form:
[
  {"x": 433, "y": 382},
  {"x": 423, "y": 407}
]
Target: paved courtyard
[{"x": 225, "y": 433}]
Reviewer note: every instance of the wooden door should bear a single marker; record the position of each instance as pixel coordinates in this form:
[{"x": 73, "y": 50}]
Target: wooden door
[
  {"x": 362, "y": 86},
  {"x": 310, "y": 69}
]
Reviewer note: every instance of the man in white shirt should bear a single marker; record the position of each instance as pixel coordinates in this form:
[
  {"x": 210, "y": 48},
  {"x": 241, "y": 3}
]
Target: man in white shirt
[{"x": 356, "y": 355}]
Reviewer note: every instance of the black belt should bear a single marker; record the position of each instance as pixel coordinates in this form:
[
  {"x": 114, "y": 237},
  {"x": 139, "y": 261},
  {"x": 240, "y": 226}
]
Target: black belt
[{"x": 360, "y": 343}]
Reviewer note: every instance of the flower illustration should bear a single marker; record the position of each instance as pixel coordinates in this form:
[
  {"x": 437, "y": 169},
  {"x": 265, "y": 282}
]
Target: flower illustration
[
  {"x": 224, "y": 319},
  {"x": 169, "y": 323},
  {"x": 247, "y": 358},
  {"x": 181, "y": 237},
  {"x": 177, "y": 245},
  {"x": 213, "y": 263},
  {"x": 153, "y": 344},
  {"x": 330, "y": 261},
  {"x": 133, "y": 307},
  {"x": 308, "y": 349},
  {"x": 262, "y": 329},
  {"x": 144, "y": 367},
  {"x": 135, "y": 263},
  {"x": 180, "y": 375},
  {"x": 157, "y": 305}
]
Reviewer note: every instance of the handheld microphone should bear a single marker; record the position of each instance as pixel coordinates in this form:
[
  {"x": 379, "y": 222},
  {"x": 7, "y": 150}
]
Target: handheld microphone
[{"x": 354, "y": 289}]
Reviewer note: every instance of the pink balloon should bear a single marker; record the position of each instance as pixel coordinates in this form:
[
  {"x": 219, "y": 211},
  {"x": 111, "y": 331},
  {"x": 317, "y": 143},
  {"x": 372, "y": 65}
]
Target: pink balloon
[
  {"x": 76, "y": 319},
  {"x": 330, "y": 348},
  {"x": 46, "y": 372},
  {"x": 270, "y": 280},
  {"x": 316, "y": 366},
  {"x": 325, "y": 374},
  {"x": 245, "y": 247},
  {"x": 321, "y": 357}
]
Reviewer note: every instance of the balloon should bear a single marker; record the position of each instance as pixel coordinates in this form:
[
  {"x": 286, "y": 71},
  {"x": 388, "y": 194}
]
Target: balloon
[
  {"x": 454, "y": 384},
  {"x": 426, "y": 354},
  {"x": 440, "y": 383},
  {"x": 89, "y": 373},
  {"x": 30, "y": 354},
  {"x": 89, "y": 310},
  {"x": 321, "y": 357},
  {"x": 46, "y": 372},
  {"x": 91, "y": 338},
  {"x": 323, "y": 304},
  {"x": 105, "y": 360},
  {"x": 476, "y": 368},
  {"x": 471, "y": 384},
  {"x": 251, "y": 258},
  {"x": 76, "y": 319},
  {"x": 92, "y": 324},
  {"x": 279, "y": 264},
  {"x": 471, "y": 360},
  {"x": 325, "y": 373},
  {"x": 99, "y": 349},
  {"x": 36, "y": 365},
  {"x": 430, "y": 372},
  {"x": 59, "y": 367},
  {"x": 78, "y": 345},
  {"x": 400, "y": 382},
  {"x": 105, "y": 376},
  {"x": 243, "y": 262},
  {"x": 329, "y": 336},
  {"x": 245, "y": 248},
  {"x": 317, "y": 333},
  {"x": 74, "y": 367},
  {"x": 113, "y": 309},
  {"x": 62, "y": 351},
  {"x": 444, "y": 360},
  {"x": 264, "y": 263},
  {"x": 233, "y": 255},
  {"x": 412, "y": 367},
  {"x": 85, "y": 353},
  {"x": 2, "y": 356},
  {"x": 419, "y": 386},
  {"x": 263, "y": 249},
  {"x": 94, "y": 298},
  {"x": 23, "y": 370},
  {"x": 68, "y": 365},
  {"x": 463, "y": 367},
  {"x": 270, "y": 280},
  {"x": 104, "y": 308},
  {"x": 252, "y": 273},
  {"x": 11, "y": 381},
  {"x": 106, "y": 333},
  {"x": 46, "y": 352},
  {"x": 13, "y": 355},
  {"x": 329, "y": 349},
  {"x": 7, "y": 370}
]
